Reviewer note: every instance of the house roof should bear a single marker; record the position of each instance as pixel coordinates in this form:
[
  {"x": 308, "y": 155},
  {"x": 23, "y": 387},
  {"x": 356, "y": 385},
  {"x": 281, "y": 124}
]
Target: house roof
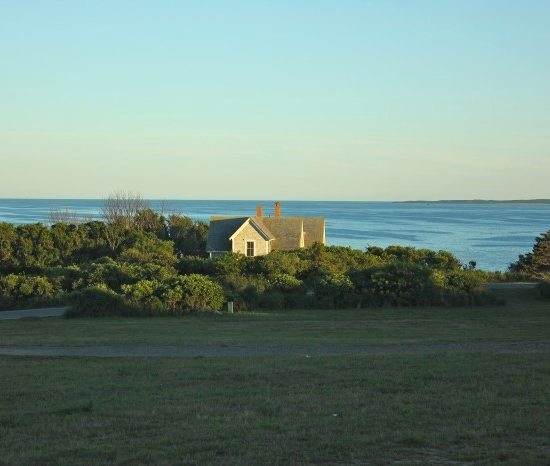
[
  {"x": 260, "y": 226},
  {"x": 220, "y": 230},
  {"x": 285, "y": 232},
  {"x": 314, "y": 229}
]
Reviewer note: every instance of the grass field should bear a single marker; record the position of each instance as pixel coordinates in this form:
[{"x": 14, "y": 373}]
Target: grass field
[{"x": 442, "y": 408}]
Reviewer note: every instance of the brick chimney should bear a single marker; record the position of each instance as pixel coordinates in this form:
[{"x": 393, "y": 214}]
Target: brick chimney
[
  {"x": 277, "y": 209},
  {"x": 259, "y": 211}
]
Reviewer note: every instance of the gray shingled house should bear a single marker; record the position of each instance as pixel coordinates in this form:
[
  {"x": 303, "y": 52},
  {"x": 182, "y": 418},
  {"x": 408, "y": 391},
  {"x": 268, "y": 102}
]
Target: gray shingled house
[{"x": 259, "y": 235}]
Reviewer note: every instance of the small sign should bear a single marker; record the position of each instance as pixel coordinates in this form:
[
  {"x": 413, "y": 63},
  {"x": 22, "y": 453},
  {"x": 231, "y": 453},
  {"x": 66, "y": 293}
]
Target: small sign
[{"x": 230, "y": 307}]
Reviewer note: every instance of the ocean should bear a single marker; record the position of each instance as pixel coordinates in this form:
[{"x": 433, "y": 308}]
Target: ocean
[{"x": 492, "y": 234}]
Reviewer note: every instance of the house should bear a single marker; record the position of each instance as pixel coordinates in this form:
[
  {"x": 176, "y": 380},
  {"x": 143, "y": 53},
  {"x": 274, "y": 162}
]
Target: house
[{"x": 259, "y": 235}]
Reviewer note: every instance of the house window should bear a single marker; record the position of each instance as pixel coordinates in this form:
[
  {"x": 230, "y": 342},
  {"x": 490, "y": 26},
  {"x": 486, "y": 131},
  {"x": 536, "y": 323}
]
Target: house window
[{"x": 250, "y": 248}]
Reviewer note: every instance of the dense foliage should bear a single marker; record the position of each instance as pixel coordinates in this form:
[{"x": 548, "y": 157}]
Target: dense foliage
[
  {"x": 536, "y": 264},
  {"x": 28, "y": 290},
  {"x": 139, "y": 262}
]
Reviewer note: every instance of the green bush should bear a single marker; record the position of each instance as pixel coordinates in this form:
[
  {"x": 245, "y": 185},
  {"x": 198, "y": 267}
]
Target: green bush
[
  {"x": 284, "y": 282},
  {"x": 141, "y": 291},
  {"x": 193, "y": 293},
  {"x": 148, "y": 249},
  {"x": 196, "y": 264},
  {"x": 28, "y": 290},
  {"x": 186, "y": 293},
  {"x": 437, "y": 260},
  {"x": 281, "y": 262},
  {"x": 106, "y": 272},
  {"x": 99, "y": 302},
  {"x": 230, "y": 263},
  {"x": 114, "y": 275},
  {"x": 67, "y": 277},
  {"x": 463, "y": 280},
  {"x": 397, "y": 284}
]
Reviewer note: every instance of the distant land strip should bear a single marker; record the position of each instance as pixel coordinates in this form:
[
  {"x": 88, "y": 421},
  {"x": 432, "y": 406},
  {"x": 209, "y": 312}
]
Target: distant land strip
[{"x": 480, "y": 201}]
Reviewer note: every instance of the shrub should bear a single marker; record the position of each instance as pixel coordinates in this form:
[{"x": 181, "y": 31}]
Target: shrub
[
  {"x": 441, "y": 260},
  {"x": 230, "y": 263},
  {"x": 398, "y": 284},
  {"x": 114, "y": 275},
  {"x": 281, "y": 262},
  {"x": 284, "y": 282},
  {"x": 67, "y": 277},
  {"x": 26, "y": 290},
  {"x": 98, "y": 302},
  {"x": 334, "y": 290},
  {"x": 148, "y": 249},
  {"x": 106, "y": 273},
  {"x": 196, "y": 264},
  {"x": 193, "y": 293},
  {"x": 463, "y": 280},
  {"x": 141, "y": 291},
  {"x": 176, "y": 295}
]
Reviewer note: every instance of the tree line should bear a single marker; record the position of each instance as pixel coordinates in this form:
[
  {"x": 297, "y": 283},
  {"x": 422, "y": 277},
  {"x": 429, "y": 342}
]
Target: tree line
[{"x": 141, "y": 262}]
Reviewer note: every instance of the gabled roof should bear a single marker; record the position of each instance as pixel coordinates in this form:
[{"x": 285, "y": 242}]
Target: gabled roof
[
  {"x": 287, "y": 231},
  {"x": 257, "y": 223},
  {"x": 220, "y": 230}
]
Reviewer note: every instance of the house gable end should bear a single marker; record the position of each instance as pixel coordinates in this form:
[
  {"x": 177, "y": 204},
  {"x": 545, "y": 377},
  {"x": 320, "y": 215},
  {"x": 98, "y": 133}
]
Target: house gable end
[{"x": 252, "y": 223}]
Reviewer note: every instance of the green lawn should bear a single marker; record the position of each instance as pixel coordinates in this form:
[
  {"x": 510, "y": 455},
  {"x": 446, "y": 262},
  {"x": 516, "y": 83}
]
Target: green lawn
[
  {"x": 525, "y": 318},
  {"x": 418, "y": 409},
  {"x": 443, "y": 408}
]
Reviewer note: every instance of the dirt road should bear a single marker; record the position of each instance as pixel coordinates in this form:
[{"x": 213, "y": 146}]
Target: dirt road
[
  {"x": 33, "y": 313},
  {"x": 267, "y": 351}
]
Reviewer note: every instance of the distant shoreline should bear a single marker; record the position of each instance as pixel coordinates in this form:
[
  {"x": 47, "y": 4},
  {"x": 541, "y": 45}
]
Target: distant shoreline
[
  {"x": 480, "y": 201},
  {"x": 229, "y": 201}
]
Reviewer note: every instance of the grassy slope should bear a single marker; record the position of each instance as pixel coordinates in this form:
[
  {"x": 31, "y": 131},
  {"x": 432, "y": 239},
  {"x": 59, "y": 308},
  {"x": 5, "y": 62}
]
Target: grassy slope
[{"x": 441, "y": 408}]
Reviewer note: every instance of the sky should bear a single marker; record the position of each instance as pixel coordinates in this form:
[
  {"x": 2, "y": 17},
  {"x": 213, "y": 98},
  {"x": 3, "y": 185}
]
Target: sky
[{"x": 288, "y": 99}]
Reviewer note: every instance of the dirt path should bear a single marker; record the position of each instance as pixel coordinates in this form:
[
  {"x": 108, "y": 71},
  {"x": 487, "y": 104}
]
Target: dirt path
[
  {"x": 269, "y": 351},
  {"x": 33, "y": 313}
]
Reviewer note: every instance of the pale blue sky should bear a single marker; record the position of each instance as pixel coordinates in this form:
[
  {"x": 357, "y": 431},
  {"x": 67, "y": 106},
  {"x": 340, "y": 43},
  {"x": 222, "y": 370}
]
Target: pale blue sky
[{"x": 357, "y": 100}]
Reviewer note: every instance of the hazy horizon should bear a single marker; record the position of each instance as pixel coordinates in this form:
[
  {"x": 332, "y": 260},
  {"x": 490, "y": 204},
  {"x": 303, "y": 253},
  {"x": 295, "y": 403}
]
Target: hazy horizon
[
  {"x": 353, "y": 100},
  {"x": 271, "y": 200}
]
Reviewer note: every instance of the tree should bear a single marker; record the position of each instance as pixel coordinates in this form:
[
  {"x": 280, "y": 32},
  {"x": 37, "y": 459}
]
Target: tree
[
  {"x": 94, "y": 241},
  {"x": 114, "y": 235},
  {"x": 148, "y": 249},
  {"x": 536, "y": 263},
  {"x": 8, "y": 236},
  {"x": 67, "y": 240},
  {"x": 150, "y": 221},
  {"x": 66, "y": 216},
  {"x": 34, "y": 247},
  {"x": 189, "y": 237},
  {"x": 122, "y": 208}
]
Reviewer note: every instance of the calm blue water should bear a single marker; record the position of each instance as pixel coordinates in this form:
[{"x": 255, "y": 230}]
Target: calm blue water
[{"x": 491, "y": 234}]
